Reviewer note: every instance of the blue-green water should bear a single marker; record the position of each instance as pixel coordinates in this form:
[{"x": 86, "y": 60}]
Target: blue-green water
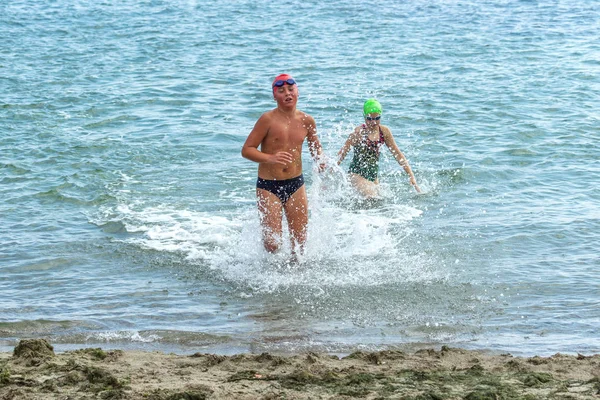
[{"x": 128, "y": 216}]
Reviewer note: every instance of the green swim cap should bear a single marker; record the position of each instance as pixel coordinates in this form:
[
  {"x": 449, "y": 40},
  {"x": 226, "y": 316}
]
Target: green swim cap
[{"x": 372, "y": 106}]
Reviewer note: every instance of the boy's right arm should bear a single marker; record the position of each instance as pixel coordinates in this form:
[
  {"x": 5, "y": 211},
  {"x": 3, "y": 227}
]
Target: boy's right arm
[{"x": 255, "y": 138}]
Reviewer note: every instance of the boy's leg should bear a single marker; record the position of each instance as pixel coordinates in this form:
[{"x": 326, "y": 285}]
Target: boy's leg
[
  {"x": 296, "y": 213},
  {"x": 270, "y": 210}
]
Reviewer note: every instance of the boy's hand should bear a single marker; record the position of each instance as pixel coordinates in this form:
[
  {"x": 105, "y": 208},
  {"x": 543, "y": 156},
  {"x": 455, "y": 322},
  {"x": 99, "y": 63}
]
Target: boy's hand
[
  {"x": 321, "y": 161},
  {"x": 281, "y": 157}
]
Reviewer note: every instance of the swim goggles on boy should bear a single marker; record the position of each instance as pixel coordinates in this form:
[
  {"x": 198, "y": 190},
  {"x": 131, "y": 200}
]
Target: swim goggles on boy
[
  {"x": 281, "y": 82},
  {"x": 377, "y": 118}
]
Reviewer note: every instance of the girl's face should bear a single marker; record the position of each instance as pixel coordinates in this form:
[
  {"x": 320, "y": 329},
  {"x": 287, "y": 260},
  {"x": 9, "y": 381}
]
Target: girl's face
[{"x": 372, "y": 119}]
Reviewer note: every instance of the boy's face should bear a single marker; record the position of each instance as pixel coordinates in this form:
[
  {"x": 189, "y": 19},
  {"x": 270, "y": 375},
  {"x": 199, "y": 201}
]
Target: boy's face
[{"x": 286, "y": 95}]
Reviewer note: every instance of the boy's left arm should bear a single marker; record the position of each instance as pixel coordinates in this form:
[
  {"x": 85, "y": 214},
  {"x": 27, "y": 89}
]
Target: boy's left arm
[{"x": 314, "y": 145}]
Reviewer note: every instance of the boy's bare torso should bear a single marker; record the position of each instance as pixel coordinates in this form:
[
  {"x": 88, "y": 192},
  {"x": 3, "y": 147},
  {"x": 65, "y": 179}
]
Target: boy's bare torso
[{"x": 286, "y": 133}]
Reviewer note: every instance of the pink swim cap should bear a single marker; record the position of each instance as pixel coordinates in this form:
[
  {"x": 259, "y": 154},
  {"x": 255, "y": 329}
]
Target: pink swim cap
[{"x": 283, "y": 79}]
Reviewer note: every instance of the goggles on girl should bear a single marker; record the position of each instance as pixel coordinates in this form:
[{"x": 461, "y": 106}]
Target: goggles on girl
[
  {"x": 377, "y": 118},
  {"x": 281, "y": 82}
]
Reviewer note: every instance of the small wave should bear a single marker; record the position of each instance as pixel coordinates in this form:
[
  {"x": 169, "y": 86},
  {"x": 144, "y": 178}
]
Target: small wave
[
  {"x": 113, "y": 227},
  {"x": 182, "y": 338},
  {"x": 40, "y": 327},
  {"x": 111, "y": 121},
  {"x": 521, "y": 152},
  {"x": 57, "y": 195},
  {"x": 15, "y": 169}
]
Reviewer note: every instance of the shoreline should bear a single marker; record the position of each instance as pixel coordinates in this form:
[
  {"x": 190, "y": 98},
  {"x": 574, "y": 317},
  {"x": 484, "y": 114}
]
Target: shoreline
[{"x": 34, "y": 371}]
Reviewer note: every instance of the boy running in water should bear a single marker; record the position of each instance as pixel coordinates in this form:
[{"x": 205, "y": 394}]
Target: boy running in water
[{"x": 280, "y": 189}]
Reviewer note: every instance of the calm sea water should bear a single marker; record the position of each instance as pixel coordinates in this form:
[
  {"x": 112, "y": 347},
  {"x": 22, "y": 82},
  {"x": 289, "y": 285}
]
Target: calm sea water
[{"x": 128, "y": 216}]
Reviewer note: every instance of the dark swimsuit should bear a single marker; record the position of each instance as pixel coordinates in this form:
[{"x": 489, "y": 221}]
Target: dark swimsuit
[
  {"x": 366, "y": 157},
  {"x": 284, "y": 189}
]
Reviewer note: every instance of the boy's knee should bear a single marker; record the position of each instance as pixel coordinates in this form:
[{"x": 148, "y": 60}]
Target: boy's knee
[{"x": 271, "y": 247}]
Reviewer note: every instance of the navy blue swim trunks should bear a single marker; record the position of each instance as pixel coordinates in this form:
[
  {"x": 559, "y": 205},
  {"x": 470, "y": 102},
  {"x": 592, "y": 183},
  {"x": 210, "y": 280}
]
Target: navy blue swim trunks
[{"x": 283, "y": 189}]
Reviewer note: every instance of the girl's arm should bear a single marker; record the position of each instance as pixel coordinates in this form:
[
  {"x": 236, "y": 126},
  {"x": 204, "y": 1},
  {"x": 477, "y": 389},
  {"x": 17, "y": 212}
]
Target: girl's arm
[
  {"x": 391, "y": 144},
  {"x": 351, "y": 141}
]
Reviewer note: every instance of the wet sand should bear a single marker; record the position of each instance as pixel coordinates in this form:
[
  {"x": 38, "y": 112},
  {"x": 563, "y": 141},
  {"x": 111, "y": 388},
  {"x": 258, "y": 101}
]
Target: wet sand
[{"x": 35, "y": 371}]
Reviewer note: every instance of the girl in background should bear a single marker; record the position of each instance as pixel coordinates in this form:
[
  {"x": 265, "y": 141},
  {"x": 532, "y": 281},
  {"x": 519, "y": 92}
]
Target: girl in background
[{"x": 367, "y": 140}]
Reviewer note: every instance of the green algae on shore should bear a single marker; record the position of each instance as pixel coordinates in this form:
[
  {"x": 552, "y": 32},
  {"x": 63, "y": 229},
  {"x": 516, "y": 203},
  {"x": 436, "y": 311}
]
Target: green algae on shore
[{"x": 428, "y": 374}]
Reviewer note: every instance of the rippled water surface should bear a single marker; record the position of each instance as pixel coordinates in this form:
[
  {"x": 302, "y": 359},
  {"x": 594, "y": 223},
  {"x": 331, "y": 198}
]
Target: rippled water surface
[{"x": 128, "y": 215}]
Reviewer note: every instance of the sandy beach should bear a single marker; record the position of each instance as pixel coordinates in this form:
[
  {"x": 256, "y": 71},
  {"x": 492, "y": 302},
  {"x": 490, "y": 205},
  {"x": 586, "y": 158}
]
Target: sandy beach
[{"x": 35, "y": 371}]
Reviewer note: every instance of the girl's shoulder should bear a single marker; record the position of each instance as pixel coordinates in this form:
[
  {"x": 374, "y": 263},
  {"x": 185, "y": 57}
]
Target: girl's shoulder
[
  {"x": 358, "y": 130},
  {"x": 386, "y": 131}
]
